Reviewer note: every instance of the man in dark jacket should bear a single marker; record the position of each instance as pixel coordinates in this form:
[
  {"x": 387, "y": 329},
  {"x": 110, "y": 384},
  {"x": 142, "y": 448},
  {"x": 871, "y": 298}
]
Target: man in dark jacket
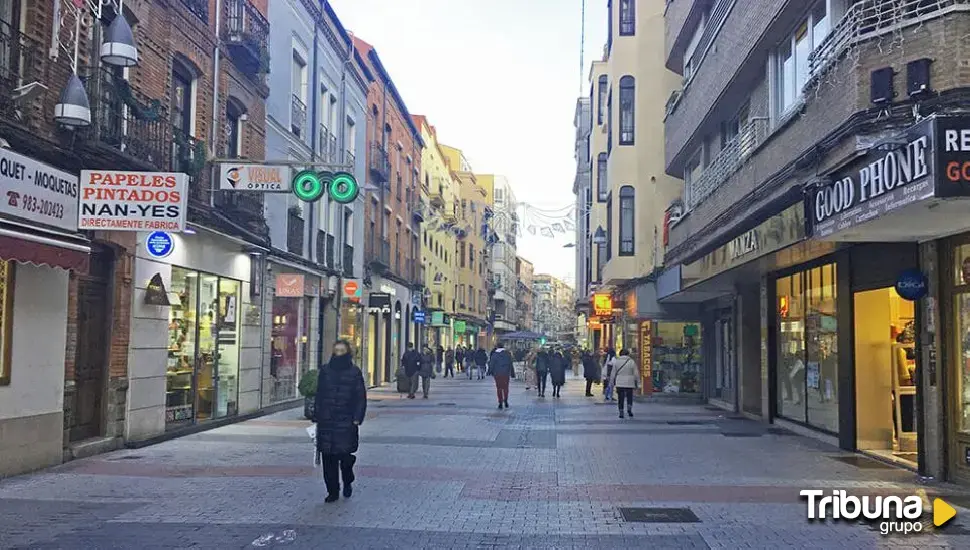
[
  {"x": 439, "y": 358},
  {"x": 412, "y": 366},
  {"x": 557, "y": 371},
  {"x": 450, "y": 363},
  {"x": 501, "y": 368},
  {"x": 340, "y": 405},
  {"x": 542, "y": 371},
  {"x": 481, "y": 361},
  {"x": 591, "y": 371},
  {"x": 460, "y": 358}
]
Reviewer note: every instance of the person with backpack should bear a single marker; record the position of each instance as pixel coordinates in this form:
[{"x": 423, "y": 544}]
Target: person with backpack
[
  {"x": 481, "y": 362},
  {"x": 625, "y": 378}
]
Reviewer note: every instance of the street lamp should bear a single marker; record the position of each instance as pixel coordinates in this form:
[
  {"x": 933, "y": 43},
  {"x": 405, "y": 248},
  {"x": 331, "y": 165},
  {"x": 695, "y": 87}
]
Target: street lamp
[
  {"x": 73, "y": 109},
  {"x": 599, "y": 237}
]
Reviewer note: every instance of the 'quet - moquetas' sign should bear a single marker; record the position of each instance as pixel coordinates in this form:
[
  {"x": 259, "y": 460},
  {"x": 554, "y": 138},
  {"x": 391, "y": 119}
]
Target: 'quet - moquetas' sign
[{"x": 133, "y": 201}]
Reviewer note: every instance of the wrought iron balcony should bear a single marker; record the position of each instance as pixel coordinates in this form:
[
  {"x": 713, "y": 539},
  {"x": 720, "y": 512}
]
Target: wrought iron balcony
[
  {"x": 418, "y": 209},
  {"x": 297, "y": 115},
  {"x": 378, "y": 164},
  {"x": 294, "y": 231},
  {"x": 246, "y": 33},
  {"x": 199, "y": 8},
  {"x": 26, "y": 76},
  {"x": 874, "y": 18},
  {"x": 243, "y": 207},
  {"x": 330, "y": 252},
  {"x": 378, "y": 252},
  {"x": 350, "y": 160},
  {"x": 327, "y": 145},
  {"x": 132, "y": 125},
  {"x": 348, "y": 261},
  {"x": 731, "y": 158},
  {"x": 188, "y": 156}
]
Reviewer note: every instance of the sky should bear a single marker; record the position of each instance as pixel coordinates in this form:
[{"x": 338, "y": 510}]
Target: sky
[{"x": 499, "y": 80}]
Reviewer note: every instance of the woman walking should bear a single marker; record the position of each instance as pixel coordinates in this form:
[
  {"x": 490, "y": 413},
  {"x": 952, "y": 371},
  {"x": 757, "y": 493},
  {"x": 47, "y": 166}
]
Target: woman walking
[
  {"x": 528, "y": 365},
  {"x": 626, "y": 378},
  {"x": 339, "y": 408},
  {"x": 450, "y": 363},
  {"x": 481, "y": 362},
  {"x": 501, "y": 368},
  {"x": 608, "y": 359},
  {"x": 557, "y": 371},
  {"x": 427, "y": 370},
  {"x": 542, "y": 371},
  {"x": 591, "y": 371}
]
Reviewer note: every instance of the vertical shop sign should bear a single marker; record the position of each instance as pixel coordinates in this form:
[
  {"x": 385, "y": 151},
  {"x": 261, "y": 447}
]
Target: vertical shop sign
[{"x": 646, "y": 356}]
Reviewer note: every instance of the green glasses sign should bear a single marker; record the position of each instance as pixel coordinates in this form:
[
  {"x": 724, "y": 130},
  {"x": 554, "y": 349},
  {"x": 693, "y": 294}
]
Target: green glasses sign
[{"x": 309, "y": 186}]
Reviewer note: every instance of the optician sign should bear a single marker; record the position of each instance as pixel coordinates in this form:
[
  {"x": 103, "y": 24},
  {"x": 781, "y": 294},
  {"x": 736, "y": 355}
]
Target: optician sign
[
  {"x": 929, "y": 160},
  {"x": 37, "y": 192},
  {"x": 133, "y": 201},
  {"x": 254, "y": 177}
]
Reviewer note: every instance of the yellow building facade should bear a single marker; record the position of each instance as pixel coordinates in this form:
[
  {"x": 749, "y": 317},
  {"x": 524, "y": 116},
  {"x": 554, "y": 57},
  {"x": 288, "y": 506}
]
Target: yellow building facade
[
  {"x": 439, "y": 188},
  {"x": 471, "y": 304}
]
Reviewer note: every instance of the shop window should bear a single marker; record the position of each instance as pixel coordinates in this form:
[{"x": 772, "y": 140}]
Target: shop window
[
  {"x": 6, "y": 320},
  {"x": 290, "y": 335},
  {"x": 677, "y": 357},
  {"x": 182, "y": 338},
  {"x": 807, "y": 347},
  {"x": 961, "y": 325}
]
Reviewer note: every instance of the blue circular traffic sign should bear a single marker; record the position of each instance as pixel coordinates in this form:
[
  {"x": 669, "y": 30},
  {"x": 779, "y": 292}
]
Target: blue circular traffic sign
[
  {"x": 159, "y": 244},
  {"x": 912, "y": 285}
]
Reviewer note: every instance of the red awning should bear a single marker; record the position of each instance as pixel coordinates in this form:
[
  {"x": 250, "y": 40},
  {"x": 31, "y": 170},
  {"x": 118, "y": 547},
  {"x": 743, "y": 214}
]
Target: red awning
[{"x": 41, "y": 250}]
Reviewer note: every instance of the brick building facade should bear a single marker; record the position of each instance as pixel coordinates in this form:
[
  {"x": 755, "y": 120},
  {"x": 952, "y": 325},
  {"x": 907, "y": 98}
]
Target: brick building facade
[{"x": 804, "y": 300}]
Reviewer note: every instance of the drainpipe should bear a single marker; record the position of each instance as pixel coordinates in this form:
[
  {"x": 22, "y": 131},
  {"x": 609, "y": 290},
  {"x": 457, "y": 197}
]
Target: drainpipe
[
  {"x": 342, "y": 145},
  {"x": 314, "y": 137},
  {"x": 214, "y": 126}
]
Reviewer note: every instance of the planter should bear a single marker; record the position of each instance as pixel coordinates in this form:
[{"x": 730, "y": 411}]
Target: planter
[{"x": 308, "y": 408}]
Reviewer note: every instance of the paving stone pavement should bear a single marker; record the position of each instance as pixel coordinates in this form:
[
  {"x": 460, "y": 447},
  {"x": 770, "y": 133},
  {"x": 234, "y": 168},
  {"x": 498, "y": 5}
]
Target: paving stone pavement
[{"x": 453, "y": 471}]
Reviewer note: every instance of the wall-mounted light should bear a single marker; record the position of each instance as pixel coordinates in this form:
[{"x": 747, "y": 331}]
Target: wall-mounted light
[
  {"x": 599, "y": 237},
  {"x": 397, "y": 314},
  {"x": 73, "y": 109}
]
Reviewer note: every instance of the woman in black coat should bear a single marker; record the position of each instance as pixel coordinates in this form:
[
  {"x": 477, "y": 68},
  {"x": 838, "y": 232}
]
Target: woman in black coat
[
  {"x": 557, "y": 371},
  {"x": 591, "y": 371},
  {"x": 542, "y": 370},
  {"x": 339, "y": 408}
]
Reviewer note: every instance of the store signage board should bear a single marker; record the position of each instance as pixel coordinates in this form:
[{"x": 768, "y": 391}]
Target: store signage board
[
  {"x": 912, "y": 284},
  {"x": 931, "y": 159},
  {"x": 778, "y": 232},
  {"x": 258, "y": 178},
  {"x": 289, "y": 285},
  {"x": 159, "y": 244},
  {"x": 352, "y": 290},
  {"x": 155, "y": 293},
  {"x": 380, "y": 300},
  {"x": 460, "y": 327},
  {"x": 133, "y": 201},
  {"x": 437, "y": 318},
  {"x": 602, "y": 305},
  {"x": 419, "y": 316},
  {"x": 36, "y": 192}
]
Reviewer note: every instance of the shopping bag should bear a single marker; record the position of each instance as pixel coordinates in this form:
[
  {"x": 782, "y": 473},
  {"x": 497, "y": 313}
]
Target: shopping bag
[{"x": 311, "y": 431}]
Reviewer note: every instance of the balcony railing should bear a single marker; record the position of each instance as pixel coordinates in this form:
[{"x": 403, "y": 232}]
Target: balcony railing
[
  {"x": 348, "y": 261},
  {"x": 717, "y": 15},
  {"x": 199, "y": 8},
  {"x": 379, "y": 251},
  {"x": 328, "y": 145},
  {"x": 378, "y": 164},
  {"x": 418, "y": 209},
  {"x": 246, "y": 33},
  {"x": 126, "y": 121},
  {"x": 24, "y": 66},
  {"x": 321, "y": 248},
  {"x": 350, "y": 160},
  {"x": 728, "y": 161},
  {"x": 297, "y": 115},
  {"x": 330, "y": 259},
  {"x": 873, "y": 18}
]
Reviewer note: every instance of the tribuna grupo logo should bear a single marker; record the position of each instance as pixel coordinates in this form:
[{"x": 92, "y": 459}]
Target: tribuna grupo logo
[{"x": 894, "y": 514}]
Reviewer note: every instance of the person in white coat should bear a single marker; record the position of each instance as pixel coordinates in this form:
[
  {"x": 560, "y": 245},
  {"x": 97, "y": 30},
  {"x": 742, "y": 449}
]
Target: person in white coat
[{"x": 625, "y": 378}]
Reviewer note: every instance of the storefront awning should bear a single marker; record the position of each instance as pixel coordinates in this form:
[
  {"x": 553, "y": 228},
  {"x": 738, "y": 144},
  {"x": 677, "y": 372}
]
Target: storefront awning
[{"x": 42, "y": 250}]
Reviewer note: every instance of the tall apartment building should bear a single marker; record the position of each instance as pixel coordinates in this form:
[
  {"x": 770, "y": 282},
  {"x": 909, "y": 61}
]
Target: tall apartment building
[
  {"x": 554, "y": 302},
  {"x": 524, "y": 294},
  {"x": 316, "y": 113},
  {"x": 621, "y": 187},
  {"x": 503, "y": 223},
  {"x": 392, "y": 226},
  {"x": 439, "y": 189},
  {"x": 471, "y": 325},
  {"x": 820, "y": 236}
]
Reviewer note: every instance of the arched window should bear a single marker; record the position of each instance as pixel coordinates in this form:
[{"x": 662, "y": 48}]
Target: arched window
[
  {"x": 627, "y": 101},
  {"x": 602, "y": 182},
  {"x": 603, "y": 85},
  {"x": 235, "y": 118},
  {"x": 627, "y": 222}
]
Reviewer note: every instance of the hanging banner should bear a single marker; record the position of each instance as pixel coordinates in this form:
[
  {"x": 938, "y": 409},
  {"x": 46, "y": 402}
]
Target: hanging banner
[{"x": 133, "y": 201}]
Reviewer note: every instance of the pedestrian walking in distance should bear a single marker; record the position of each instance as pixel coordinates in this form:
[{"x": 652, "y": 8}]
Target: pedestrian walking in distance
[
  {"x": 339, "y": 408},
  {"x": 439, "y": 359},
  {"x": 450, "y": 363},
  {"x": 528, "y": 365},
  {"x": 501, "y": 368},
  {"x": 412, "y": 366},
  {"x": 460, "y": 358},
  {"x": 591, "y": 371},
  {"x": 427, "y": 370},
  {"x": 542, "y": 371},
  {"x": 608, "y": 359},
  {"x": 557, "y": 371},
  {"x": 481, "y": 362},
  {"x": 626, "y": 378}
]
